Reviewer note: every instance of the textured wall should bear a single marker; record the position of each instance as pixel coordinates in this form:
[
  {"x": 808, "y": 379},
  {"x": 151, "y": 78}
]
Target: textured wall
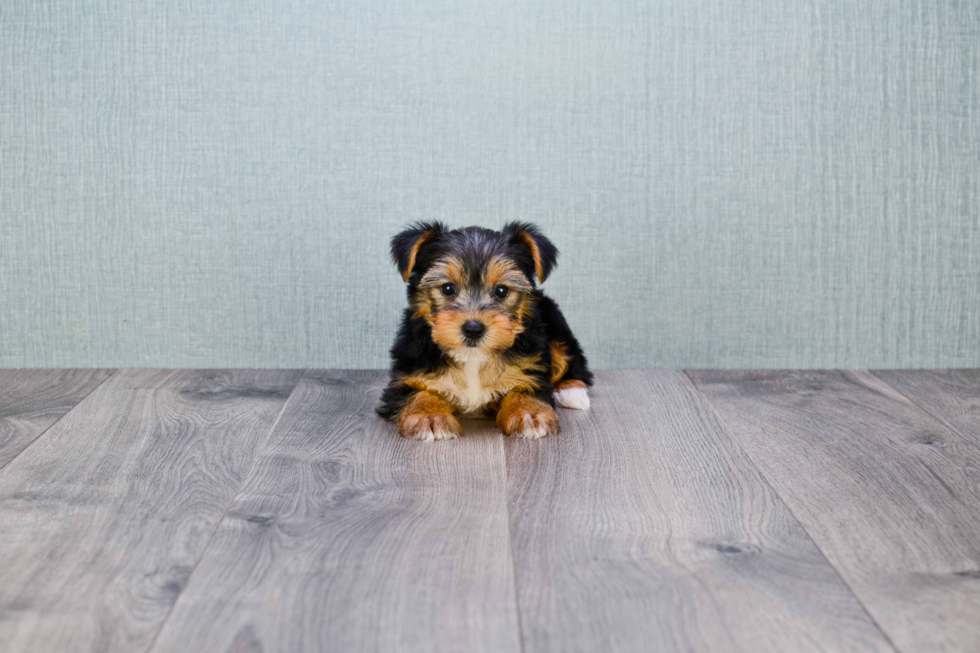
[{"x": 732, "y": 184}]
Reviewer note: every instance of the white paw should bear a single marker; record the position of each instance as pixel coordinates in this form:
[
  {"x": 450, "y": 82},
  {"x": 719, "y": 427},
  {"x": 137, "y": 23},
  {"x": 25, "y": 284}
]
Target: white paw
[
  {"x": 577, "y": 398},
  {"x": 531, "y": 432},
  {"x": 427, "y": 435}
]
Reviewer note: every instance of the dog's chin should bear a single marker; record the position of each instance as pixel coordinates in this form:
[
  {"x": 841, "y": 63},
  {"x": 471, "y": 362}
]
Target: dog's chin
[{"x": 467, "y": 354}]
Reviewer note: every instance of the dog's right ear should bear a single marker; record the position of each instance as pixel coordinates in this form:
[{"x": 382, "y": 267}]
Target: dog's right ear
[{"x": 406, "y": 245}]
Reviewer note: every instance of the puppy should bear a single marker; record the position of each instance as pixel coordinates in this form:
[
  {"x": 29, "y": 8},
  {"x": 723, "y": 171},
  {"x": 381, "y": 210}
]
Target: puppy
[{"x": 478, "y": 336}]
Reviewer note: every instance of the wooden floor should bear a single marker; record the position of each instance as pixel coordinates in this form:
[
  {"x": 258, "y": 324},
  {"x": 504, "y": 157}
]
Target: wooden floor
[{"x": 271, "y": 510}]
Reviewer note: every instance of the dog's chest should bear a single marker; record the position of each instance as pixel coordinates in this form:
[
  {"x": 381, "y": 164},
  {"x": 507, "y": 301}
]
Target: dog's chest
[{"x": 472, "y": 385}]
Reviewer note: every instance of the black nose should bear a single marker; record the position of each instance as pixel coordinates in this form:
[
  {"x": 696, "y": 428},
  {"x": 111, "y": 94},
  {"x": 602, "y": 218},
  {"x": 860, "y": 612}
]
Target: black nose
[{"x": 473, "y": 329}]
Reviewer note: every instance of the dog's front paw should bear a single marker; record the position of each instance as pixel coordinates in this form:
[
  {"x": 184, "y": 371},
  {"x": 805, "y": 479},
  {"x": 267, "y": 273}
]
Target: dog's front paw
[
  {"x": 429, "y": 427},
  {"x": 426, "y": 417},
  {"x": 572, "y": 394},
  {"x": 524, "y": 416}
]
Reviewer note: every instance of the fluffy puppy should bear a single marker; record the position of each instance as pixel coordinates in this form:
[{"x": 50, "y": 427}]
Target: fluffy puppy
[{"x": 478, "y": 337}]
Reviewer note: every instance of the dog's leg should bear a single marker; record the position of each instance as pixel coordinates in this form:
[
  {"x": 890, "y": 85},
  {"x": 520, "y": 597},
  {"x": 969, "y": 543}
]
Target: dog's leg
[
  {"x": 569, "y": 370},
  {"x": 426, "y": 416},
  {"x": 572, "y": 393},
  {"x": 525, "y": 416}
]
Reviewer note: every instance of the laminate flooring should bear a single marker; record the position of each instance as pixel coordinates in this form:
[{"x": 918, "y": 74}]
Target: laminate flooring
[{"x": 272, "y": 510}]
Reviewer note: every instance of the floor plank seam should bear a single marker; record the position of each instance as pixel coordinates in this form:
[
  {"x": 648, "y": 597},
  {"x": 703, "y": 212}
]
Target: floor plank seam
[
  {"x": 939, "y": 418},
  {"x": 510, "y": 544},
  {"x": 217, "y": 525},
  {"x": 57, "y": 421},
  {"x": 789, "y": 509}
]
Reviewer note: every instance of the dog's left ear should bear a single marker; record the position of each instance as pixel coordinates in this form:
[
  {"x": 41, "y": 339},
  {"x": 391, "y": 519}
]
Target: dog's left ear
[
  {"x": 406, "y": 245},
  {"x": 543, "y": 253}
]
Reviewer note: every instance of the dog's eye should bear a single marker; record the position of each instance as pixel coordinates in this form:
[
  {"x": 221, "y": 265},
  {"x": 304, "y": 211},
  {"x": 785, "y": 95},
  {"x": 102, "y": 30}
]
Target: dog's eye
[
  {"x": 501, "y": 291},
  {"x": 448, "y": 289}
]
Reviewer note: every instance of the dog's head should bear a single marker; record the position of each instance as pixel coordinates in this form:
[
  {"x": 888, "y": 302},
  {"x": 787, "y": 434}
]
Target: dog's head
[{"x": 473, "y": 286}]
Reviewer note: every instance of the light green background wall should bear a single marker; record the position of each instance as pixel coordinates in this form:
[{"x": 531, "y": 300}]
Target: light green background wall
[{"x": 732, "y": 184}]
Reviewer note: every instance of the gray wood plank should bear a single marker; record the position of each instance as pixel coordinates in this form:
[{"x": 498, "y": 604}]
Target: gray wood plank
[
  {"x": 890, "y": 495},
  {"x": 951, "y": 396},
  {"x": 346, "y": 537},
  {"x": 643, "y": 527},
  {"x": 103, "y": 518},
  {"x": 32, "y": 400}
]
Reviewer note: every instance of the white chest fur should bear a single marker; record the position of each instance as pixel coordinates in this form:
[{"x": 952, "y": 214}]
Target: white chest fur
[{"x": 466, "y": 382}]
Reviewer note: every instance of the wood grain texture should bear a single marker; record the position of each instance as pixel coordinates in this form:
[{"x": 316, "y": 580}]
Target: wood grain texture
[
  {"x": 951, "y": 396},
  {"x": 103, "y": 518},
  {"x": 347, "y": 537},
  {"x": 32, "y": 400},
  {"x": 889, "y": 494},
  {"x": 643, "y": 527}
]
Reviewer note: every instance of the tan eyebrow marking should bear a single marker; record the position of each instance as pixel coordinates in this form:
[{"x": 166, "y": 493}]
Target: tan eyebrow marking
[
  {"x": 502, "y": 271},
  {"x": 449, "y": 268}
]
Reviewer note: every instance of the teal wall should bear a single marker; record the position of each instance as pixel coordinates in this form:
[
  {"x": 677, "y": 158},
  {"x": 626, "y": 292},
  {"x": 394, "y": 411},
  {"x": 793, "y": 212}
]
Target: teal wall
[{"x": 759, "y": 183}]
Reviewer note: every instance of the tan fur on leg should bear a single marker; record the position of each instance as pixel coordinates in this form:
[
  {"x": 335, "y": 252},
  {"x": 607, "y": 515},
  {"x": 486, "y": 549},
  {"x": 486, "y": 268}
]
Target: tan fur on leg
[
  {"x": 427, "y": 417},
  {"x": 524, "y": 416}
]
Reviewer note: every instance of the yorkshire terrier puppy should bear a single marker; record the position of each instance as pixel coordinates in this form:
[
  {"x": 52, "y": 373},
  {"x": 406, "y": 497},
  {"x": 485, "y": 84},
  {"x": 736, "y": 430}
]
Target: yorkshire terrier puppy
[{"x": 478, "y": 336}]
